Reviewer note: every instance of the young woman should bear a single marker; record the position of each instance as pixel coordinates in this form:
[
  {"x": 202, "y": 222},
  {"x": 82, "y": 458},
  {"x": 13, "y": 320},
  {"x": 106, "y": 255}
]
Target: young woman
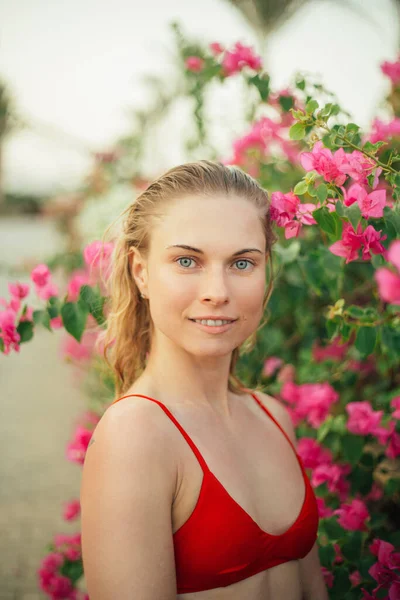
[{"x": 191, "y": 486}]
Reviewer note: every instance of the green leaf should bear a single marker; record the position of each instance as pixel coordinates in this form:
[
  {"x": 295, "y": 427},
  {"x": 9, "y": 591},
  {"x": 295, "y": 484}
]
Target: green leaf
[
  {"x": 341, "y": 582},
  {"x": 311, "y": 106},
  {"x": 324, "y": 428},
  {"x": 366, "y": 340},
  {"x": 326, "y": 220},
  {"x": 392, "y": 486},
  {"x": 352, "y": 547},
  {"x": 322, "y": 192},
  {"x": 74, "y": 316},
  {"x": 340, "y": 208},
  {"x": 93, "y": 301},
  {"x": 332, "y": 529},
  {"x": 300, "y": 188},
  {"x": 289, "y": 253},
  {"x": 297, "y": 131},
  {"x": 286, "y": 102},
  {"x": 352, "y": 448},
  {"x": 355, "y": 311},
  {"x": 261, "y": 82},
  {"x": 326, "y": 555},
  {"x": 391, "y": 339},
  {"x": 41, "y": 317},
  {"x": 353, "y": 214},
  {"x": 352, "y": 127},
  {"x": 25, "y": 330}
]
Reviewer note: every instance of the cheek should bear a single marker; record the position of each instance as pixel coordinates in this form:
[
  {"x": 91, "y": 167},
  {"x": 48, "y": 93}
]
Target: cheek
[{"x": 171, "y": 291}]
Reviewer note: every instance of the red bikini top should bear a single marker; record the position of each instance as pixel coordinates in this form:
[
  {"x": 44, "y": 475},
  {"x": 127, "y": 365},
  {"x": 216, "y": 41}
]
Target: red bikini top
[{"x": 221, "y": 544}]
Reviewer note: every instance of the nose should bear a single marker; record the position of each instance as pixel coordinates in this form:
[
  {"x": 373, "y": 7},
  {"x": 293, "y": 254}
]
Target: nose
[{"x": 215, "y": 288}]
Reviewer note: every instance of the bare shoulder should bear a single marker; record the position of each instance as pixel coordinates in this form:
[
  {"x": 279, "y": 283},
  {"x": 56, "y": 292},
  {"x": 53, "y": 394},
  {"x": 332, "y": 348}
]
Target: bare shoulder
[
  {"x": 279, "y": 412},
  {"x": 127, "y": 490},
  {"x": 137, "y": 425}
]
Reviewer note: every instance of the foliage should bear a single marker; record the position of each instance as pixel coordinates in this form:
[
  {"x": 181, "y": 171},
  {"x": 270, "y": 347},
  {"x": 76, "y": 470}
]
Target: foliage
[{"x": 331, "y": 348}]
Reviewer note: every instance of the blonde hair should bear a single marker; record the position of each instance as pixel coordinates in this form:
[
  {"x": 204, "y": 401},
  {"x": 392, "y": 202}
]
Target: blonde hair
[{"x": 127, "y": 337}]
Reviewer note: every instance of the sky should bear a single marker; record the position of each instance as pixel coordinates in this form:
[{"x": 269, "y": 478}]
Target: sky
[{"x": 75, "y": 70}]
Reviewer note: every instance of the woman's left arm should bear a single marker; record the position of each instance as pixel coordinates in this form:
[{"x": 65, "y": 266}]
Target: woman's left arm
[{"x": 312, "y": 579}]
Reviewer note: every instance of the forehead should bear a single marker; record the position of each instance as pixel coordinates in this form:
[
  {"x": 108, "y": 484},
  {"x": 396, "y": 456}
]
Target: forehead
[{"x": 206, "y": 221}]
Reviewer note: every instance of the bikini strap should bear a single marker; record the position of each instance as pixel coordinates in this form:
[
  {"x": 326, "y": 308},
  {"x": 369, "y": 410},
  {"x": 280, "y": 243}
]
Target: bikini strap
[
  {"x": 276, "y": 422},
  {"x": 196, "y": 451}
]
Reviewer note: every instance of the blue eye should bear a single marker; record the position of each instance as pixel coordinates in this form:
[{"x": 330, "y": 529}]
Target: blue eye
[
  {"x": 184, "y": 258},
  {"x": 242, "y": 260}
]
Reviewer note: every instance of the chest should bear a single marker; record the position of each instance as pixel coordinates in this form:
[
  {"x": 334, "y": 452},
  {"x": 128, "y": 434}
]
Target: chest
[{"x": 252, "y": 462}]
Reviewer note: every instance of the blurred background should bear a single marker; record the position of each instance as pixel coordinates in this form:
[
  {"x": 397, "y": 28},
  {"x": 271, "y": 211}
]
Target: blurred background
[{"x": 78, "y": 80}]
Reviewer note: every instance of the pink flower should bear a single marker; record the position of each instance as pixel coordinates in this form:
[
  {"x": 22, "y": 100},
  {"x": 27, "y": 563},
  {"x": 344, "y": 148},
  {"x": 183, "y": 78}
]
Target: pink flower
[
  {"x": 372, "y": 242},
  {"x": 312, "y": 453},
  {"x": 355, "y": 578},
  {"x": 76, "y": 450},
  {"x": 335, "y": 350},
  {"x": 312, "y": 400},
  {"x": 323, "y": 510},
  {"x": 363, "y": 419},
  {"x": 56, "y": 322},
  {"x": 388, "y": 285},
  {"x": 28, "y": 316},
  {"x": 19, "y": 290},
  {"x": 395, "y": 403},
  {"x": 71, "y": 510},
  {"x": 338, "y": 554},
  {"x": 96, "y": 254},
  {"x": 328, "y": 576},
  {"x": 271, "y": 364},
  {"x": 384, "y": 131},
  {"x": 393, "y": 449},
  {"x": 351, "y": 242},
  {"x": 371, "y": 205},
  {"x": 389, "y": 282},
  {"x": 52, "y": 561},
  {"x": 59, "y": 586},
  {"x": 392, "y": 70},
  {"x": 328, "y": 165},
  {"x": 79, "y": 351},
  {"x": 376, "y": 493},
  {"x": 352, "y": 516},
  {"x": 78, "y": 279},
  {"x": 8, "y": 331},
  {"x": 216, "y": 48},
  {"x": 47, "y": 291},
  {"x": 289, "y": 213},
  {"x": 194, "y": 63},
  {"x": 40, "y": 275},
  {"x": 394, "y": 591},
  {"x": 357, "y": 166},
  {"x": 239, "y": 58},
  {"x": 326, "y": 473}
]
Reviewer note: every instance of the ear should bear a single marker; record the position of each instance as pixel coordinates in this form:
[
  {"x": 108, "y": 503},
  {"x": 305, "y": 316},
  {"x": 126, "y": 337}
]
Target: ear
[{"x": 138, "y": 266}]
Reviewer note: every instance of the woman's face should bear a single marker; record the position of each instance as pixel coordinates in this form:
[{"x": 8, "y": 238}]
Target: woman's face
[{"x": 216, "y": 278}]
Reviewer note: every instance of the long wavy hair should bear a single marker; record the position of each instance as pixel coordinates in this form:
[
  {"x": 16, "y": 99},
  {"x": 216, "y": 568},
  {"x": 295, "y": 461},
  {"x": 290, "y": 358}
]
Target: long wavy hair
[{"x": 126, "y": 339}]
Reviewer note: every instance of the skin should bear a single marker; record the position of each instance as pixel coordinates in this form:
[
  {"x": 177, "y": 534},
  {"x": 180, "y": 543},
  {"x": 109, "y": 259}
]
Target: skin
[
  {"x": 180, "y": 283},
  {"x": 215, "y": 283}
]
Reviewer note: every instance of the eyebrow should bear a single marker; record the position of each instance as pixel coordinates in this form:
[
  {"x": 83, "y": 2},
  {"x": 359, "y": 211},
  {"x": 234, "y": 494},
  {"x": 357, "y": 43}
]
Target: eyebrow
[{"x": 192, "y": 249}]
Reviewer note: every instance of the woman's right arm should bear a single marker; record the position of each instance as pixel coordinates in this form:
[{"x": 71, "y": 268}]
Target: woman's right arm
[{"x": 127, "y": 490}]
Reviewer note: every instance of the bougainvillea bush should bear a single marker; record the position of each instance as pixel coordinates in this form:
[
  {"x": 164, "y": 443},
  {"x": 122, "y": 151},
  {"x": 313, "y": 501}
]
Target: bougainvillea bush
[{"x": 330, "y": 350}]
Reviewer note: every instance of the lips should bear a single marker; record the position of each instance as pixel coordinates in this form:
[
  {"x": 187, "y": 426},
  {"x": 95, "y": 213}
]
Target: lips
[{"x": 212, "y": 319}]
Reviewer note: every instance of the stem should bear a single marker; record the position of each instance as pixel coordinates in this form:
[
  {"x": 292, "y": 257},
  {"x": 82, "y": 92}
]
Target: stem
[{"x": 344, "y": 139}]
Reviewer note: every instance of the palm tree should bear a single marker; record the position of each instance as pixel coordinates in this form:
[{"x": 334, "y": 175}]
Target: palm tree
[{"x": 267, "y": 16}]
